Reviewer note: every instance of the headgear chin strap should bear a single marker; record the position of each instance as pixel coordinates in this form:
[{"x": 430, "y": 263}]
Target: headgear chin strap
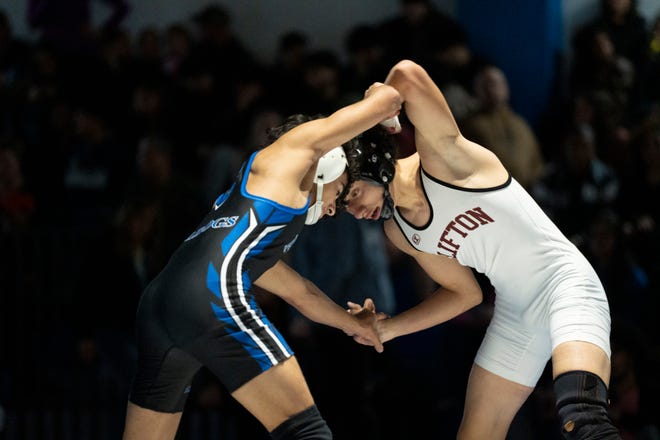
[
  {"x": 388, "y": 205},
  {"x": 330, "y": 167}
]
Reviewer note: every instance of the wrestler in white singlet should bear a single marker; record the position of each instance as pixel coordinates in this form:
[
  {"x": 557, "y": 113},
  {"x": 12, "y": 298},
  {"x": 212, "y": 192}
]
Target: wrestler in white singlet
[{"x": 546, "y": 291}]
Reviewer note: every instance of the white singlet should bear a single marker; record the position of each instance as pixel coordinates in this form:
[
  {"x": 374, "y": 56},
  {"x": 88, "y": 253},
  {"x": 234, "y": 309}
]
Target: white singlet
[{"x": 546, "y": 291}]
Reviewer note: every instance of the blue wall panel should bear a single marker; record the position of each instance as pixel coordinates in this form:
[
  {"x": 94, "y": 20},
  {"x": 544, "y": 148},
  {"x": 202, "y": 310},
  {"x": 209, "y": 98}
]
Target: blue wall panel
[{"x": 524, "y": 38}]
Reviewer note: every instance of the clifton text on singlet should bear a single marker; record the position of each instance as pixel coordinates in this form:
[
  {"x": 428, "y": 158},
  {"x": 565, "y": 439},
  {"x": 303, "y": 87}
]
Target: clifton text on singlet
[{"x": 460, "y": 227}]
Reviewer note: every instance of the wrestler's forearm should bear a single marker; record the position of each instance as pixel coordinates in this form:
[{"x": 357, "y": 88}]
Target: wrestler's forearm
[
  {"x": 442, "y": 306},
  {"x": 308, "y": 299},
  {"x": 318, "y": 307}
]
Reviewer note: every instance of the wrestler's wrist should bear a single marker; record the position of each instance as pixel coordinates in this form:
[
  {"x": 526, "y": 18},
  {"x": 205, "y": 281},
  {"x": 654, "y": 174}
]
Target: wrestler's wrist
[
  {"x": 385, "y": 330},
  {"x": 356, "y": 326}
]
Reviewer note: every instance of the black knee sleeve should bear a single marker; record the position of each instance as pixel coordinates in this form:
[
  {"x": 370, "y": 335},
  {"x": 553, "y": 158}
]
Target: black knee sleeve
[
  {"x": 582, "y": 407},
  {"x": 306, "y": 425}
]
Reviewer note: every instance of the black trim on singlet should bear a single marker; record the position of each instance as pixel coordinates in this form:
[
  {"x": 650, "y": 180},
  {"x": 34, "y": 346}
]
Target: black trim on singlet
[
  {"x": 460, "y": 188},
  {"x": 428, "y": 201},
  {"x": 445, "y": 184}
]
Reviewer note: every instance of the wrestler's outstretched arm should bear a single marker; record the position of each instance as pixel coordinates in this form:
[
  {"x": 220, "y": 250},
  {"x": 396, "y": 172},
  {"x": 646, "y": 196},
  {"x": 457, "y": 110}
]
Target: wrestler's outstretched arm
[
  {"x": 292, "y": 155},
  {"x": 309, "y": 300},
  {"x": 425, "y": 105},
  {"x": 458, "y": 292},
  {"x": 443, "y": 151}
]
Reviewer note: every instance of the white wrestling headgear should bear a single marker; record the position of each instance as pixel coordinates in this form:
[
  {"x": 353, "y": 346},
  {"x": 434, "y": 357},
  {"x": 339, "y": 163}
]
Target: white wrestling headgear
[{"x": 329, "y": 168}]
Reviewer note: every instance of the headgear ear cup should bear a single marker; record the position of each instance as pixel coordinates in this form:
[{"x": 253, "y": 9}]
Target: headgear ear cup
[
  {"x": 331, "y": 165},
  {"x": 329, "y": 168}
]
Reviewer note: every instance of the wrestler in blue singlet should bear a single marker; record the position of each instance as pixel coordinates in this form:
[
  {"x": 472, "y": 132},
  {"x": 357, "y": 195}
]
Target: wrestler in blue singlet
[{"x": 200, "y": 310}]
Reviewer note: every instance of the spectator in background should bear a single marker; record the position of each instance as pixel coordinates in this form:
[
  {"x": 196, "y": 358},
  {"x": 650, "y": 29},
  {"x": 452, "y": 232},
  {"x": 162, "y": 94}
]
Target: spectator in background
[
  {"x": 17, "y": 204},
  {"x": 580, "y": 116},
  {"x": 222, "y": 161},
  {"x": 289, "y": 59},
  {"x": 14, "y": 56},
  {"x": 14, "y": 52},
  {"x": 208, "y": 85},
  {"x": 599, "y": 66},
  {"x": 453, "y": 67},
  {"x": 107, "y": 79},
  {"x": 149, "y": 111},
  {"x": 364, "y": 65},
  {"x": 251, "y": 94},
  {"x": 621, "y": 21},
  {"x": 623, "y": 277},
  {"x": 321, "y": 90},
  {"x": 606, "y": 79},
  {"x": 178, "y": 44},
  {"x": 642, "y": 220},
  {"x": 67, "y": 24},
  {"x": 47, "y": 128},
  {"x": 156, "y": 178},
  {"x": 576, "y": 187},
  {"x": 148, "y": 55},
  {"x": 497, "y": 127},
  {"x": 416, "y": 30},
  {"x": 650, "y": 86},
  {"x": 286, "y": 72},
  {"x": 94, "y": 170}
]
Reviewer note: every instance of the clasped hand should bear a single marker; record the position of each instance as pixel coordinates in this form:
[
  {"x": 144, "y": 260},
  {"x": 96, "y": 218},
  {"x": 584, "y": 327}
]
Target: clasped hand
[{"x": 369, "y": 321}]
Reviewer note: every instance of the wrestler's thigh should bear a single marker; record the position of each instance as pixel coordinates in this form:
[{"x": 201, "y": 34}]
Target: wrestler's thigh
[
  {"x": 580, "y": 332},
  {"x": 276, "y": 394},
  {"x": 491, "y": 403},
  {"x": 581, "y": 356},
  {"x": 146, "y": 424}
]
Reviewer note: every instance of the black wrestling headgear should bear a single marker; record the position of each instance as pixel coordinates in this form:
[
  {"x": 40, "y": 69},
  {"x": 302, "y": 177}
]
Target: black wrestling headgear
[
  {"x": 371, "y": 158},
  {"x": 375, "y": 165}
]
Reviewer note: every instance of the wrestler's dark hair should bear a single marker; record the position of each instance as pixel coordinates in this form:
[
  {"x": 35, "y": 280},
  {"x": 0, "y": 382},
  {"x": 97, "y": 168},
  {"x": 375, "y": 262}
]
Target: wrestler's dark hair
[{"x": 291, "y": 122}]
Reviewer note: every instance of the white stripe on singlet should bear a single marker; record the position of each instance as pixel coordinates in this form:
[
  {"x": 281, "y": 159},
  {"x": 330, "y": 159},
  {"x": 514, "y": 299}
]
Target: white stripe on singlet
[{"x": 239, "y": 279}]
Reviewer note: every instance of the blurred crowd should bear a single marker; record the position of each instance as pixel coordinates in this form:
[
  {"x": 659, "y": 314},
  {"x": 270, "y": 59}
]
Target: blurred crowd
[{"x": 113, "y": 145}]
